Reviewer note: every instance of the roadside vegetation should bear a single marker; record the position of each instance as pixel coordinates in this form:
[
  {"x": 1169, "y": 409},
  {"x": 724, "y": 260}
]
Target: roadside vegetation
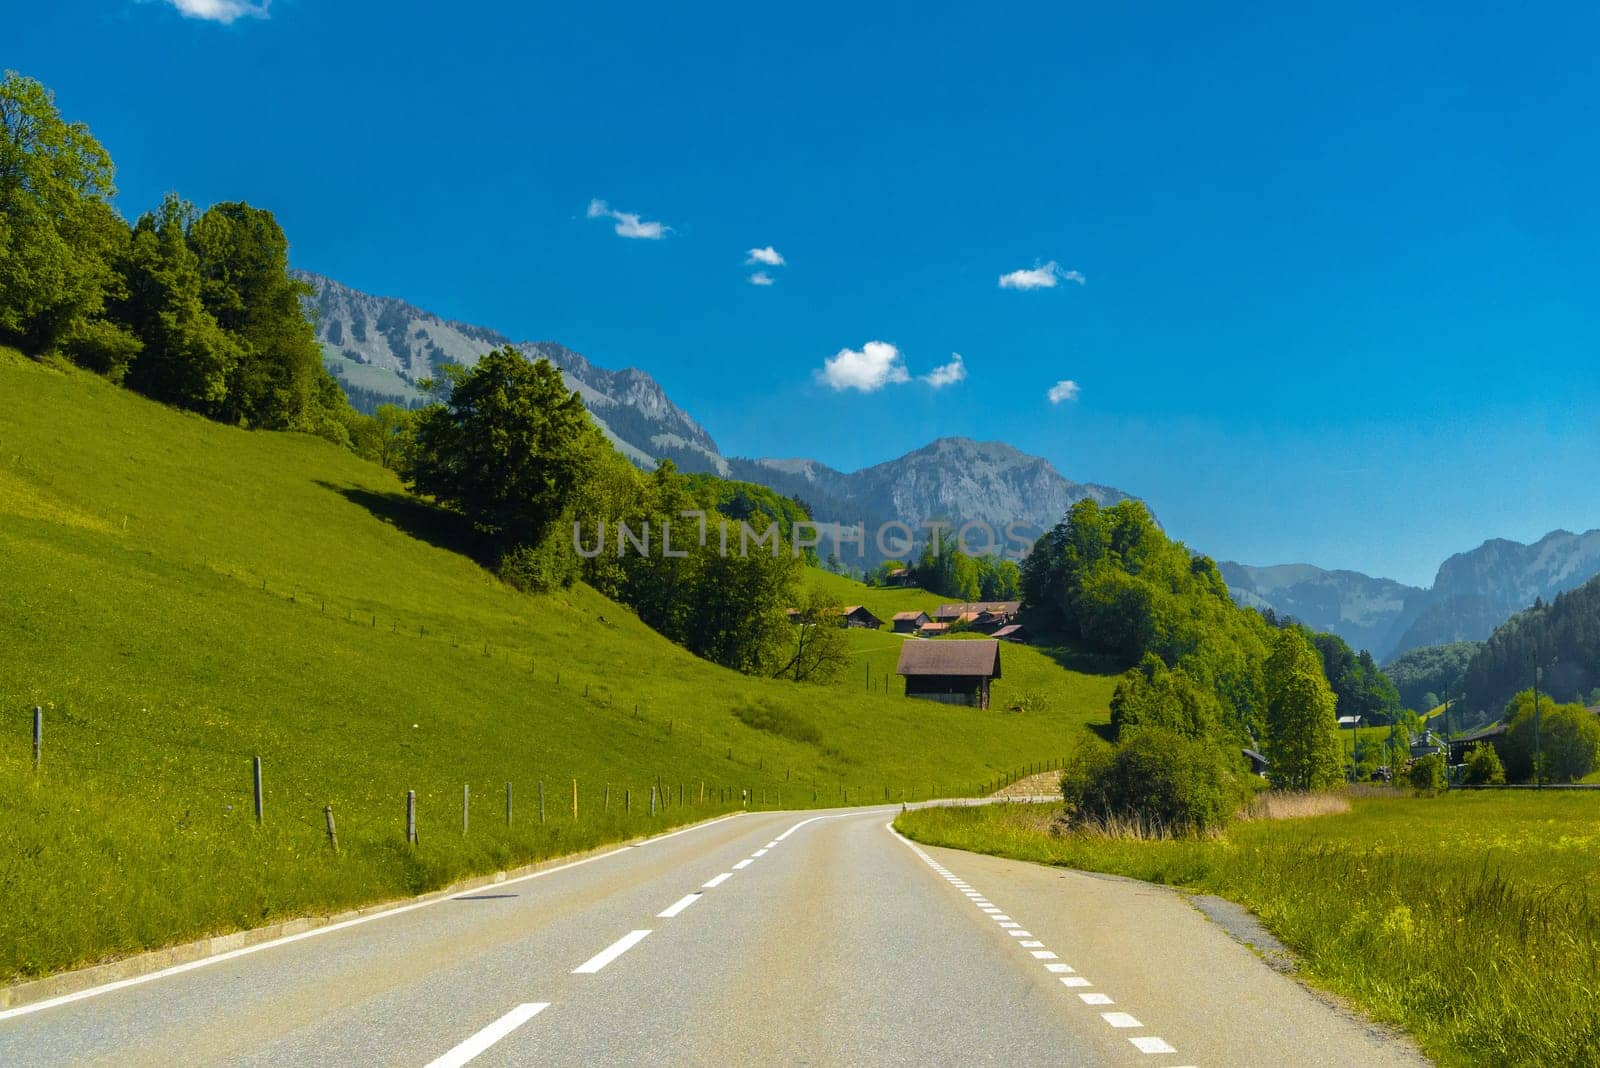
[{"x": 1472, "y": 920}]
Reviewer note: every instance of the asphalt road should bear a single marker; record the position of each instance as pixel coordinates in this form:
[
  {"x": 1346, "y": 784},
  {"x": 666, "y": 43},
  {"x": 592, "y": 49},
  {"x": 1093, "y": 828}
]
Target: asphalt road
[{"x": 772, "y": 938}]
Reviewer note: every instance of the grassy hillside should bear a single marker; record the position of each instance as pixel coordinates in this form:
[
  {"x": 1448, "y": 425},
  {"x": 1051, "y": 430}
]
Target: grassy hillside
[
  {"x": 1467, "y": 918},
  {"x": 180, "y": 596}
]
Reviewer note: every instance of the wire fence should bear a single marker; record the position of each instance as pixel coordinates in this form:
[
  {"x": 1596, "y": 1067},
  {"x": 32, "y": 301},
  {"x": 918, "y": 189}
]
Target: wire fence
[{"x": 167, "y": 771}]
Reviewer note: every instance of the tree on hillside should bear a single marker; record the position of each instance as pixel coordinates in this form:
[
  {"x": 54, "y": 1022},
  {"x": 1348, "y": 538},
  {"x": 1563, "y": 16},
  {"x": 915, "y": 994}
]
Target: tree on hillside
[
  {"x": 1359, "y": 687},
  {"x": 1549, "y": 742},
  {"x": 819, "y": 649},
  {"x": 243, "y": 258},
  {"x": 50, "y": 172},
  {"x": 1302, "y": 746},
  {"x": 58, "y": 231},
  {"x": 508, "y": 450},
  {"x": 186, "y": 357},
  {"x": 1122, "y": 587}
]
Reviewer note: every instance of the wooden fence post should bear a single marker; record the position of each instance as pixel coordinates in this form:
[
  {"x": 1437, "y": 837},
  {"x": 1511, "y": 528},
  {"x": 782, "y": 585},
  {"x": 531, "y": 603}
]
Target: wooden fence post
[
  {"x": 574, "y": 800},
  {"x": 508, "y": 804},
  {"x": 605, "y": 806},
  {"x": 541, "y": 800},
  {"x": 466, "y": 793},
  {"x": 411, "y": 817},
  {"x": 652, "y": 800},
  {"x": 38, "y": 734},
  {"x": 627, "y": 800},
  {"x": 255, "y": 775},
  {"x": 333, "y": 839}
]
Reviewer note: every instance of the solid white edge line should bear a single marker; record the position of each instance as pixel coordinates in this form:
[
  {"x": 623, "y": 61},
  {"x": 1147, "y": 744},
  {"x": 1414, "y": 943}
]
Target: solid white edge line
[
  {"x": 716, "y": 881},
  {"x": 342, "y": 925},
  {"x": 481, "y": 1041},
  {"x": 678, "y": 906},
  {"x": 610, "y": 953}
]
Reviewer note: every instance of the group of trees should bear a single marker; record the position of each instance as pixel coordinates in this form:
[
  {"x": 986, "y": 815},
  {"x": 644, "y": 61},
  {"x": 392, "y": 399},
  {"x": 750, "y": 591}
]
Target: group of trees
[
  {"x": 1549, "y": 742},
  {"x": 1427, "y": 677},
  {"x": 1210, "y": 678},
  {"x": 707, "y": 562},
  {"x": 192, "y": 308},
  {"x": 1359, "y": 687},
  {"x": 943, "y": 567},
  {"x": 1560, "y": 640}
]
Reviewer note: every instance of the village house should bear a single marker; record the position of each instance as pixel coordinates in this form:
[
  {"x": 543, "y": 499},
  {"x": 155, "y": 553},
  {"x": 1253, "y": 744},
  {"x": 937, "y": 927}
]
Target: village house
[
  {"x": 933, "y": 630},
  {"x": 909, "y": 622},
  {"x": 1012, "y": 632},
  {"x": 985, "y": 616},
  {"x": 954, "y": 672},
  {"x": 856, "y": 615}
]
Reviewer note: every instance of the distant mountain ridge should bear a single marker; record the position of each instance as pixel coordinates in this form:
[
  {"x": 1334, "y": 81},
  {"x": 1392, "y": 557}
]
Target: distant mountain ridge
[
  {"x": 1473, "y": 592},
  {"x": 382, "y": 348}
]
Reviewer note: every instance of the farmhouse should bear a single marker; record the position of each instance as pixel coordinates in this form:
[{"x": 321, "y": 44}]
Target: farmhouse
[
  {"x": 855, "y": 615},
  {"x": 1349, "y": 723},
  {"x": 998, "y": 613},
  {"x": 1494, "y": 736},
  {"x": 932, "y": 630},
  {"x": 953, "y": 672},
  {"x": 909, "y": 622},
  {"x": 1012, "y": 632}
]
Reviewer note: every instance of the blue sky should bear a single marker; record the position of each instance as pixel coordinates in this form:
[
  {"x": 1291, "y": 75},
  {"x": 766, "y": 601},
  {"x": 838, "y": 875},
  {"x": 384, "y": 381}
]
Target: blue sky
[{"x": 1325, "y": 280}]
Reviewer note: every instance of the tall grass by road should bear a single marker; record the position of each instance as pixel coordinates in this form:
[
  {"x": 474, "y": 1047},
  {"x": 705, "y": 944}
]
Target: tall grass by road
[{"x": 1471, "y": 920}]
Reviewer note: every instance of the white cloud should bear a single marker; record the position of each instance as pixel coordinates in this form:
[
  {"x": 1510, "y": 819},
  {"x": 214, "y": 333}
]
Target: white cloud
[
  {"x": 223, "y": 11},
  {"x": 1043, "y": 276},
  {"x": 876, "y": 365},
  {"x": 769, "y": 256},
  {"x": 1064, "y": 390},
  {"x": 948, "y": 375},
  {"x": 628, "y": 224},
  {"x": 761, "y": 278}
]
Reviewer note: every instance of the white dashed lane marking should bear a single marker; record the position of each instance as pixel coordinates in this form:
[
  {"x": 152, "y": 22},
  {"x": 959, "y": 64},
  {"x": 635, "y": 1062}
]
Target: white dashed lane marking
[
  {"x": 678, "y": 906},
  {"x": 716, "y": 881},
  {"x": 481, "y": 1041},
  {"x": 745, "y": 863},
  {"x": 611, "y": 953},
  {"x": 1036, "y": 950}
]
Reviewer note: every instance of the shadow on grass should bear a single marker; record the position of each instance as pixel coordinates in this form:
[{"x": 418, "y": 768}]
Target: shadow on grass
[
  {"x": 426, "y": 522},
  {"x": 1083, "y": 661}
]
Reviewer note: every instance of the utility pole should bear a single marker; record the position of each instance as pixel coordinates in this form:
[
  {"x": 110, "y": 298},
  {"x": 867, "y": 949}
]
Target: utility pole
[{"x": 1538, "y": 748}]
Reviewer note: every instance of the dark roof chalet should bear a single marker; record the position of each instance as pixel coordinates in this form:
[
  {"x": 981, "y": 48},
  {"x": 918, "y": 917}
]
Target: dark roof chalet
[{"x": 974, "y": 659}]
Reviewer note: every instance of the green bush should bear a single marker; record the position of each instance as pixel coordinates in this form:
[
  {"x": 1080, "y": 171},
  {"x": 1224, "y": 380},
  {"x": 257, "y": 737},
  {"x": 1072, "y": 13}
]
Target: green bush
[
  {"x": 1157, "y": 780},
  {"x": 1483, "y": 767},
  {"x": 1428, "y": 773}
]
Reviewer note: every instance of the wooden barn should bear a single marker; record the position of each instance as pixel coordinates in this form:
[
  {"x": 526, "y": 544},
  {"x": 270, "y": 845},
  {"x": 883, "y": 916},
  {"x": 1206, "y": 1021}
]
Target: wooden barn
[
  {"x": 952, "y": 672},
  {"x": 856, "y": 615},
  {"x": 909, "y": 622}
]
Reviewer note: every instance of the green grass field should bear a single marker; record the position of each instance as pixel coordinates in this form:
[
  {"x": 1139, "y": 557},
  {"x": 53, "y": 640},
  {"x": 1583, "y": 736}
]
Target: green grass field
[
  {"x": 1470, "y": 919},
  {"x": 180, "y": 596}
]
